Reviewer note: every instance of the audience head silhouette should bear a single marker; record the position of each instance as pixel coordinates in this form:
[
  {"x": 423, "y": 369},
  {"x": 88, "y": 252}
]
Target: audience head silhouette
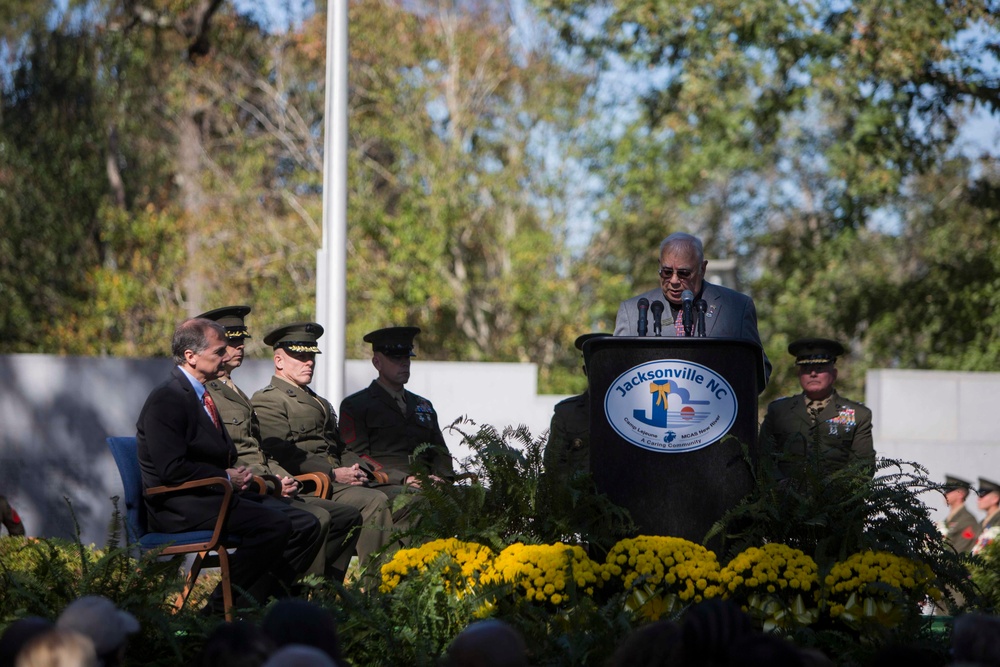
[
  {"x": 107, "y": 626},
  {"x": 293, "y": 621},
  {"x": 490, "y": 643}
]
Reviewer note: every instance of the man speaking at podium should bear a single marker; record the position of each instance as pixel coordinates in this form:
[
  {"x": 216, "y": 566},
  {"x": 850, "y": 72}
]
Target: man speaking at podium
[{"x": 726, "y": 313}]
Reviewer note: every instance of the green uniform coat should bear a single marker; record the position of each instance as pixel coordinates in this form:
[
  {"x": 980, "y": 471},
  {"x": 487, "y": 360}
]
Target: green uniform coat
[
  {"x": 337, "y": 520},
  {"x": 963, "y": 530},
  {"x": 240, "y": 419},
  {"x": 568, "y": 448},
  {"x": 298, "y": 428},
  {"x": 373, "y": 425},
  {"x": 842, "y": 434}
]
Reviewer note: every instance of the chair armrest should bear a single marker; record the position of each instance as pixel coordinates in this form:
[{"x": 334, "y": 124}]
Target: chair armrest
[
  {"x": 193, "y": 484},
  {"x": 262, "y": 481},
  {"x": 315, "y": 484},
  {"x": 227, "y": 495},
  {"x": 259, "y": 485}
]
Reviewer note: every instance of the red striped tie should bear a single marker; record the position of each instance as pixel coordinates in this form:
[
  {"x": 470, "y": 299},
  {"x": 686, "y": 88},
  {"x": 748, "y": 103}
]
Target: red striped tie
[
  {"x": 679, "y": 324},
  {"x": 212, "y": 411}
]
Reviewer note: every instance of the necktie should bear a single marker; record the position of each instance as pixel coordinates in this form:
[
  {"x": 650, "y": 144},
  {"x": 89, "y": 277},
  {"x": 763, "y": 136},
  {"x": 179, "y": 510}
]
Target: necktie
[
  {"x": 679, "y": 323},
  {"x": 816, "y": 407},
  {"x": 212, "y": 411},
  {"x": 814, "y": 414}
]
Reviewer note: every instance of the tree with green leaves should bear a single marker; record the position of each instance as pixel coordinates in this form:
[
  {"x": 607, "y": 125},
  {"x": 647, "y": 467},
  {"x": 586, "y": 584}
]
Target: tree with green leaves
[
  {"x": 455, "y": 213},
  {"x": 51, "y": 186},
  {"x": 205, "y": 174},
  {"x": 787, "y": 135}
]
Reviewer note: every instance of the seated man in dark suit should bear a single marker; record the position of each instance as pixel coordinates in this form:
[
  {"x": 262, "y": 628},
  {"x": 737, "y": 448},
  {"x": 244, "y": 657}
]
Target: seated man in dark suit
[{"x": 180, "y": 438}]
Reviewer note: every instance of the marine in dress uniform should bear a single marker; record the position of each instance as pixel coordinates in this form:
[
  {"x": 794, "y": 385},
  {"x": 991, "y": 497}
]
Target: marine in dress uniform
[
  {"x": 989, "y": 502},
  {"x": 961, "y": 529},
  {"x": 818, "y": 430},
  {"x": 338, "y": 522},
  {"x": 299, "y": 430},
  {"x": 568, "y": 448},
  {"x": 387, "y": 424},
  {"x": 10, "y": 518}
]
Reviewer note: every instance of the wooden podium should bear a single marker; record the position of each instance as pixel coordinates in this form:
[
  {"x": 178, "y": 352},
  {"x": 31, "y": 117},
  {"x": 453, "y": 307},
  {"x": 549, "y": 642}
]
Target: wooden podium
[{"x": 669, "y": 420}]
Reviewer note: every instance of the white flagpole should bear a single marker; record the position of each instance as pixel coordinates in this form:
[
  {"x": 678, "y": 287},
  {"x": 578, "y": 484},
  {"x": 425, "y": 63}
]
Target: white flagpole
[{"x": 331, "y": 260}]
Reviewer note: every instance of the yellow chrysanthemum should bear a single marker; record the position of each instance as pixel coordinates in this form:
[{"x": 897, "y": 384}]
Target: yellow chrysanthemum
[
  {"x": 540, "y": 572},
  {"x": 465, "y": 558},
  {"x": 876, "y": 587},
  {"x": 768, "y": 583},
  {"x": 663, "y": 573}
]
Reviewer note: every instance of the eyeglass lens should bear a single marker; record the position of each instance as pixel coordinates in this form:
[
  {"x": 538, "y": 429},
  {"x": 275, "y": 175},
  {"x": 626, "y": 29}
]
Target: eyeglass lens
[{"x": 668, "y": 272}]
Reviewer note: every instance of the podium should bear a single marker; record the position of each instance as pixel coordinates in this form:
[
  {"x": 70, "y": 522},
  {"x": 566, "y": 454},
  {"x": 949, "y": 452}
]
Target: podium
[{"x": 668, "y": 423}]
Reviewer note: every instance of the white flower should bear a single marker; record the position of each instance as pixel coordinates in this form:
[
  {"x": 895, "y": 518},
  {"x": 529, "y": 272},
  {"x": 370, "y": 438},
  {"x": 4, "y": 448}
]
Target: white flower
[{"x": 985, "y": 538}]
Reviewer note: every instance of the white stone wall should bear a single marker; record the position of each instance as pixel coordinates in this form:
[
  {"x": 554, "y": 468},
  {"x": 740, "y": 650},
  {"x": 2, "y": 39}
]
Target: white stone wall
[
  {"x": 946, "y": 421},
  {"x": 55, "y": 413}
]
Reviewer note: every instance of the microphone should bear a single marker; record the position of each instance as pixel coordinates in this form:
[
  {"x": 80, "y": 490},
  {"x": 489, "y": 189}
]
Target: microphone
[
  {"x": 701, "y": 306},
  {"x": 657, "y": 309},
  {"x": 687, "y": 298},
  {"x": 643, "y": 307}
]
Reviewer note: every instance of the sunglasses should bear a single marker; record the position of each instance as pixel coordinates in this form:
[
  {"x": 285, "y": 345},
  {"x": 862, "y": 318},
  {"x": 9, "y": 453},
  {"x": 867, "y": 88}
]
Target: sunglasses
[{"x": 667, "y": 273}]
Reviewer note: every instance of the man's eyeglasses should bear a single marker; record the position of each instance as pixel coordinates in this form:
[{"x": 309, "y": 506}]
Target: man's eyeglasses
[{"x": 667, "y": 273}]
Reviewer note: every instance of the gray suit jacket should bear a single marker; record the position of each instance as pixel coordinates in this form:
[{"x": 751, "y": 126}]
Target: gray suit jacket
[{"x": 730, "y": 314}]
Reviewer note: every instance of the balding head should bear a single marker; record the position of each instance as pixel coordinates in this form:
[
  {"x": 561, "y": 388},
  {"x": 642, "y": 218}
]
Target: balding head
[{"x": 489, "y": 643}]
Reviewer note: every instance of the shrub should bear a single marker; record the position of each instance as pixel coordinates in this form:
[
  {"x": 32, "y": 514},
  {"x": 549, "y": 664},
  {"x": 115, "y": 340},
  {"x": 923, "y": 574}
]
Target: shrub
[
  {"x": 468, "y": 559},
  {"x": 875, "y": 592},
  {"x": 41, "y": 576},
  {"x": 985, "y": 574},
  {"x": 513, "y": 501}
]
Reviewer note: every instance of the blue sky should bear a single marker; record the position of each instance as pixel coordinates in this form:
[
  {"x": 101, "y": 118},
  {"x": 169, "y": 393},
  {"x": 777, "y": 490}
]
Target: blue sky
[{"x": 277, "y": 13}]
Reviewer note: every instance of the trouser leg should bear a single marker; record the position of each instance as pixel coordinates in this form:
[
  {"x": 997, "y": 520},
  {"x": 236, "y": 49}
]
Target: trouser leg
[
  {"x": 401, "y": 499},
  {"x": 377, "y": 531},
  {"x": 344, "y": 527},
  {"x": 318, "y": 564},
  {"x": 304, "y": 543},
  {"x": 264, "y": 534}
]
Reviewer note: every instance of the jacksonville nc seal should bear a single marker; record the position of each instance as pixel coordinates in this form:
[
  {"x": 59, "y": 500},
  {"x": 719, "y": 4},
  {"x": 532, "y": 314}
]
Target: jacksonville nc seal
[{"x": 671, "y": 406}]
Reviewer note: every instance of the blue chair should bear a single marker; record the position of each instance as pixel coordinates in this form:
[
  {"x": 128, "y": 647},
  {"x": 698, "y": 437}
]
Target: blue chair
[{"x": 202, "y": 543}]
